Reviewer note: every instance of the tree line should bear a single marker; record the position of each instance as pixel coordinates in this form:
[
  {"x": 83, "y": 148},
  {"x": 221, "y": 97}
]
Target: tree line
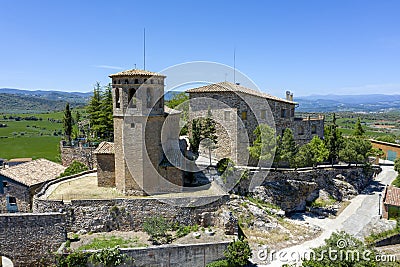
[{"x": 284, "y": 151}]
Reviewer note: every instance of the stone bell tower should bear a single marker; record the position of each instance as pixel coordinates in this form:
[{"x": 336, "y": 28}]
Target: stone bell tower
[{"x": 138, "y": 106}]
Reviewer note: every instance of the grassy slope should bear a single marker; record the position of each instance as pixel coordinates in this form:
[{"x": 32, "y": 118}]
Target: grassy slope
[{"x": 33, "y": 139}]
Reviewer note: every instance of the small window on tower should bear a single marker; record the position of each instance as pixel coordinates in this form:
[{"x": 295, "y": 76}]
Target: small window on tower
[
  {"x": 126, "y": 81},
  {"x": 132, "y": 98},
  {"x": 117, "y": 99},
  {"x": 145, "y": 80},
  {"x": 149, "y": 98},
  {"x": 136, "y": 81},
  {"x": 151, "y": 81}
]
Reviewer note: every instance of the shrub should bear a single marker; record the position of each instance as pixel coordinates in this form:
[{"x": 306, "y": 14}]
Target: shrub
[
  {"x": 156, "y": 228},
  {"x": 74, "y": 168},
  {"x": 220, "y": 263},
  {"x": 108, "y": 257},
  {"x": 238, "y": 253},
  {"x": 77, "y": 258}
]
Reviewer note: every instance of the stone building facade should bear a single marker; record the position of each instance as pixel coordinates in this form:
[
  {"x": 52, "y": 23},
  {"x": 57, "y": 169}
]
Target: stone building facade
[
  {"x": 19, "y": 183},
  {"x": 239, "y": 110}
]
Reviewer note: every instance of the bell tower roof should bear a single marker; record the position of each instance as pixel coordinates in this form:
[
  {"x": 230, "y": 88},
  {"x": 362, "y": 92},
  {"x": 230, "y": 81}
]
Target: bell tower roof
[{"x": 136, "y": 72}]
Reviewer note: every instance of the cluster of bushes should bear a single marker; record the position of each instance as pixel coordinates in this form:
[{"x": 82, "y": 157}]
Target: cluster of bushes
[
  {"x": 104, "y": 257},
  {"x": 74, "y": 168},
  {"x": 159, "y": 230}
]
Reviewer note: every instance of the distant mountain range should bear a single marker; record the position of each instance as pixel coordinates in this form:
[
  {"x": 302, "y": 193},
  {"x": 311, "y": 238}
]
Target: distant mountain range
[
  {"x": 356, "y": 103},
  {"x": 16, "y": 100}
]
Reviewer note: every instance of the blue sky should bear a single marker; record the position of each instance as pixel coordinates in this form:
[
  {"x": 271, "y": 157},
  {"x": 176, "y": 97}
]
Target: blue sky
[{"x": 308, "y": 47}]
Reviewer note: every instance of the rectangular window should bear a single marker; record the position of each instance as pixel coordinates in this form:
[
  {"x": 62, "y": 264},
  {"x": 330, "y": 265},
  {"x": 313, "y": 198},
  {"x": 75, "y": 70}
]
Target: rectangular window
[
  {"x": 292, "y": 112},
  {"x": 132, "y": 98},
  {"x": 12, "y": 200},
  {"x": 149, "y": 98},
  {"x": 313, "y": 129},
  {"x": 227, "y": 115},
  {"x": 244, "y": 115},
  {"x": 263, "y": 114},
  {"x": 117, "y": 98},
  {"x": 5, "y": 184},
  {"x": 283, "y": 113}
]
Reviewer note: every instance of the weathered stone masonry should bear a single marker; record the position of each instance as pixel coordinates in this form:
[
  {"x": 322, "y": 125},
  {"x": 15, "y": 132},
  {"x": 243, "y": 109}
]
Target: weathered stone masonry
[
  {"x": 28, "y": 238},
  {"x": 128, "y": 214}
]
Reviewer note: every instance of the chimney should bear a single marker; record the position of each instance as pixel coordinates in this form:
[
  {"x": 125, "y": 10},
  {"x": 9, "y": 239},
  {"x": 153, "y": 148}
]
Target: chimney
[
  {"x": 287, "y": 95},
  {"x": 291, "y": 97}
]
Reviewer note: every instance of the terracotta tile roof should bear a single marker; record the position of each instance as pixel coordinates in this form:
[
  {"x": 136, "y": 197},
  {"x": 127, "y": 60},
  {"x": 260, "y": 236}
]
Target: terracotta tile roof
[
  {"x": 105, "y": 148},
  {"x": 392, "y": 196},
  {"x": 231, "y": 87},
  {"x": 33, "y": 172},
  {"x": 135, "y": 72}
]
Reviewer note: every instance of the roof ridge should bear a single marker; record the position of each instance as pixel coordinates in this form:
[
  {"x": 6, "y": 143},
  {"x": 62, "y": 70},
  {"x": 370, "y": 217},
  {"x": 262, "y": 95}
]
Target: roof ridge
[
  {"x": 133, "y": 72},
  {"x": 228, "y": 86}
]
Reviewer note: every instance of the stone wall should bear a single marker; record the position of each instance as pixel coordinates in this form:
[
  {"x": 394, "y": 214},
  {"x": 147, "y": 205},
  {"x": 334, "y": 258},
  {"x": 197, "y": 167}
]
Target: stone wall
[
  {"x": 30, "y": 239},
  {"x": 195, "y": 255},
  {"x": 292, "y": 190},
  {"x": 82, "y": 154},
  {"x": 105, "y": 170},
  {"x": 129, "y": 214}
]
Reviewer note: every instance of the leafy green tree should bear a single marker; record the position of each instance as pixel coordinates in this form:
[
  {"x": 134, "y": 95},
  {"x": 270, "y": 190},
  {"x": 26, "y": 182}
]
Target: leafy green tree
[
  {"x": 355, "y": 150},
  {"x": 312, "y": 153},
  {"x": 342, "y": 249},
  {"x": 100, "y": 110},
  {"x": 74, "y": 168},
  {"x": 195, "y": 138},
  {"x": 358, "y": 129},
  {"x": 106, "y": 125},
  {"x": 287, "y": 148},
  {"x": 67, "y": 122},
  {"x": 238, "y": 253},
  {"x": 264, "y": 145},
  {"x": 177, "y": 100},
  {"x": 333, "y": 140},
  {"x": 209, "y": 133},
  {"x": 397, "y": 165},
  {"x": 77, "y": 116}
]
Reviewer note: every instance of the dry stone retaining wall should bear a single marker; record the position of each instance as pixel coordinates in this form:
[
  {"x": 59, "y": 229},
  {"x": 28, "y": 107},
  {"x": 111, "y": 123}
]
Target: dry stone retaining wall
[
  {"x": 128, "y": 214},
  {"x": 28, "y": 239}
]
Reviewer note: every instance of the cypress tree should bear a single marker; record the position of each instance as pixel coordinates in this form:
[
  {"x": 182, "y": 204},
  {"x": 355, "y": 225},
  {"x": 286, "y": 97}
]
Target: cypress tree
[{"x": 67, "y": 123}]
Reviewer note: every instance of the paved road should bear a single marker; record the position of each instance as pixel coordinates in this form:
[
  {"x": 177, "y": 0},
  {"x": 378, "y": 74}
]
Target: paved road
[{"x": 362, "y": 210}]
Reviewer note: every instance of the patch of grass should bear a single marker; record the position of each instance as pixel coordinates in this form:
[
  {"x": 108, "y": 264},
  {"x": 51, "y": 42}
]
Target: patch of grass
[
  {"x": 184, "y": 230},
  {"x": 262, "y": 204},
  {"x": 112, "y": 242},
  {"x": 30, "y": 147},
  {"x": 321, "y": 203}
]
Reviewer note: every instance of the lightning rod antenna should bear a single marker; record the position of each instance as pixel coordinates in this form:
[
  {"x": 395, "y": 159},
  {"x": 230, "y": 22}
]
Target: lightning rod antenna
[
  {"x": 234, "y": 65},
  {"x": 144, "y": 48}
]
